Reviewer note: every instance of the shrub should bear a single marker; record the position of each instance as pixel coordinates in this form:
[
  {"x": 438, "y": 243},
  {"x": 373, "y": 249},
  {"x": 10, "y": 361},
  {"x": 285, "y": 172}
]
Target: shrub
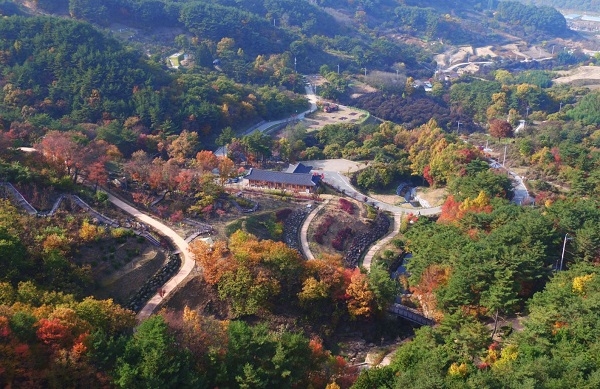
[
  {"x": 120, "y": 232},
  {"x": 102, "y": 197},
  {"x": 90, "y": 232},
  {"x": 176, "y": 216},
  {"x": 340, "y": 238},
  {"x": 233, "y": 227},
  {"x": 323, "y": 229},
  {"x": 347, "y": 206},
  {"x": 371, "y": 212},
  {"x": 282, "y": 214}
]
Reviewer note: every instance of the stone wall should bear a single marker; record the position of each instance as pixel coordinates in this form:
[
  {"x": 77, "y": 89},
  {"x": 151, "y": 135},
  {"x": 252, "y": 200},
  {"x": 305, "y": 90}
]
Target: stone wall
[{"x": 361, "y": 242}]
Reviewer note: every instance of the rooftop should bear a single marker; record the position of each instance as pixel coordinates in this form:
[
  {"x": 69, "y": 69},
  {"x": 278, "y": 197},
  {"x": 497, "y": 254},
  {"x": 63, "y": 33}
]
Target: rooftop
[
  {"x": 299, "y": 168},
  {"x": 304, "y": 179}
]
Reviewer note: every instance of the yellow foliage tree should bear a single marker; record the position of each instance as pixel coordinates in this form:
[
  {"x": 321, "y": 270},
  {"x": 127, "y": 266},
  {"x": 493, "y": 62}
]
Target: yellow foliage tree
[
  {"x": 312, "y": 290},
  {"x": 481, "y": 201},
  {"x": 509, "y": 354},
  {"x": 90, "y": 232},
  {"x": 362, "y": 299},
  {"x": 580, "y": 283},
  {"x": 56, "y": 242},
  {"x": 421, "y": 151},
  {"x": 456, "y": 370}
]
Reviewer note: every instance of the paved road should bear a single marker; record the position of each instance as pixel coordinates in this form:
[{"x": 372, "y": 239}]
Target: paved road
[
  {"x": 383, "y": 241},
  {"x": 342, "y": 183},
  {"x": 188, "y": 259},
  {"x": 262, "y": 127},
  {"x": 450, "y": 68},
  {"x": 521, "y": 194}
]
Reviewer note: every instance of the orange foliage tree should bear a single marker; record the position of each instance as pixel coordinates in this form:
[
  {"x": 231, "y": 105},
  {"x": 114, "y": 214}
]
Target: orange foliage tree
[{"x": 361, "y": 300}]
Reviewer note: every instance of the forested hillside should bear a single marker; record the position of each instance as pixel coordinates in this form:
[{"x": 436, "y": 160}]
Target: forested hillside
[
  {"x": 576, "y": 5},
  {"x": 101, "y": 107},
  {"x": 53, "y": 82}
]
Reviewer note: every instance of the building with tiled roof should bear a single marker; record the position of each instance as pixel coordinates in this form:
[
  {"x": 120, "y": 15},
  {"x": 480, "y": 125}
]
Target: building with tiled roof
[
  {"x": 296, "y": 182},
  {"x": 299, "y": 168}
]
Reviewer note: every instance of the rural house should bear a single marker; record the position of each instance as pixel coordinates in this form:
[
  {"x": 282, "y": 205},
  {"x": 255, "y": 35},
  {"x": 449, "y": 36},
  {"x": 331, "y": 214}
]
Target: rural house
[{"x": 296, "y": 182}]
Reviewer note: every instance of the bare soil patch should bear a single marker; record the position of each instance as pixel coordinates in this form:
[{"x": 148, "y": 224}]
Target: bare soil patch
[
  {"x": 583, "y": 75},
  {"x": 461, "y": 54},
  {"x": 128, "y": 283},
  {"x": 483, "y": 51},
  {"x": 393, "y": 199},
  {"x": 336, "y": 165},
  {"x": 319, "y": 119},
  {"x": 197, "y": 295},
  {"x": 435, "y": 197}
]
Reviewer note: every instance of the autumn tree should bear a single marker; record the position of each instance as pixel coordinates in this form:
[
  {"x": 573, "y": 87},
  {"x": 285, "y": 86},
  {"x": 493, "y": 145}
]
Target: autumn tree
[
  {"x": 500, "y": 129},
  {"x": 226, "y": 169},
  {"x": 183, "y": 146},
  {"x": 206, "y": 160},
  {"x": 138, "y": 167},
  {"x": 421, "y": 151},
  {"x": 64, "y": 151},
  {"x": 361, "y": 300}
]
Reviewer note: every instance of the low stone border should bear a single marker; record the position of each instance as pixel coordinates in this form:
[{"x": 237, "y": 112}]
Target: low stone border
[
  {"x": 291, "y": 228},
  {"x": 361, "y": 242},
  {"x": 150, "y": 287}
]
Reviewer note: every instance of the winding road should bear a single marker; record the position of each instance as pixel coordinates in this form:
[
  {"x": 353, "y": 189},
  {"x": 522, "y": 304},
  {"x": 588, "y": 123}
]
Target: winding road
[
  {"x": 264, "y": 126},
  {"x": 187, "y": 265}
]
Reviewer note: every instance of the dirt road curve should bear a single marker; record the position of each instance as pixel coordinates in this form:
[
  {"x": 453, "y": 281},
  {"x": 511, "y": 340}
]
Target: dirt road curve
[{"x": 188, "y": 259}]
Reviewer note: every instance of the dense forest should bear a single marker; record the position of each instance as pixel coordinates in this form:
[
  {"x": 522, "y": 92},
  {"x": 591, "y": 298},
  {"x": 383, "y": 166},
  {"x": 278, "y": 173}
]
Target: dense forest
[
  {"x": 577, "y": 5},
  {"x": 101, "y": 110},
  {"x": 120, "y": 94}
]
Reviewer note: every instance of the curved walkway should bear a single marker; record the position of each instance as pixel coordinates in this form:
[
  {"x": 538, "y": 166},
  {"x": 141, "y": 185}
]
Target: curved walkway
[
  {"x": 188, "y": 258},
  {"x": 383, "y": 241},
  {"x": 304, "y": 230}
]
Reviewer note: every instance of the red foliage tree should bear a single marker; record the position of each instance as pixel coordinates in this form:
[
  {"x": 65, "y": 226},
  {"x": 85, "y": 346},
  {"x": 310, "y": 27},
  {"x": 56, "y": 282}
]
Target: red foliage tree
[
  {"x": 500, "y": 129},
  {"x": 450, "y": 210},
  {"x": 427, "y": 175},
  {"x": 61, "y": 150},
  {"x": 347, "y": 206},
  {"x": 54, "y": 333}
]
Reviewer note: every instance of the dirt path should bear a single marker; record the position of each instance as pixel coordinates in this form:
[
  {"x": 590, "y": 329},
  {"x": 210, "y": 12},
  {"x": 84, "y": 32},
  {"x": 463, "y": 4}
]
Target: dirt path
[{"x": 188, "y": 259}]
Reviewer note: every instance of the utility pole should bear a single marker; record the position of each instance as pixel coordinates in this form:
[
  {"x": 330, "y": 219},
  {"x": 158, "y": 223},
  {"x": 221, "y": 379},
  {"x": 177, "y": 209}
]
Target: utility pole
[
  {"x": 365, "y": 71},
  {"x": 562, "y": 256},
  {"x": 527, "y": 115},
  {"x": 295, "y": 65},
  {"x": 560, "y": 107},
  {"x": 458, "y": 128},
  {"x": 504, "y": 159},
  {"x": 338, "y": 68}
]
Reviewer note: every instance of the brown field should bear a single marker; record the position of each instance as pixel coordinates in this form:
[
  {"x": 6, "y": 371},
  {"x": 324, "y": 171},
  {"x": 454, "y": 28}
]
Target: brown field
[{"x": 583, "y": 76}]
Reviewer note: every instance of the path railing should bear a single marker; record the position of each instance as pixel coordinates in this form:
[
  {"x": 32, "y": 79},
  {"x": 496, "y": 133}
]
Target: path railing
[
  {"x": 18, "y": 197},
  {"x": 410, "y": 314},
  {"x": 20, "y": 200}
]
